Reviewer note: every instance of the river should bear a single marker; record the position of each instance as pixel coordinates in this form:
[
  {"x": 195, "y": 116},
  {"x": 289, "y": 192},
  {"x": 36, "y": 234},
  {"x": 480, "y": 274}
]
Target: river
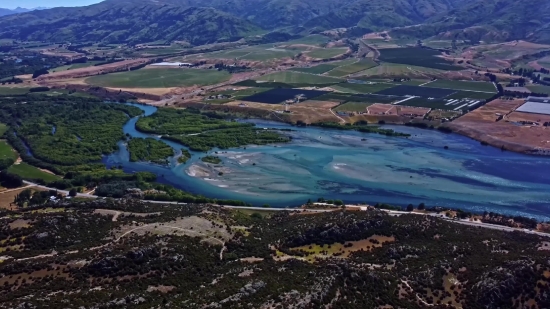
[{"x": 360, "y": 167}]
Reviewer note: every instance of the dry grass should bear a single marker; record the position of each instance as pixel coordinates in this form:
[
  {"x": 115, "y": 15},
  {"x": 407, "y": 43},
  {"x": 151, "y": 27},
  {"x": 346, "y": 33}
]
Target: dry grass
[
  {"x": 482, "y": 125},
  {"x": 7, "y": 197},
  {"x": 343, "y": 250}
]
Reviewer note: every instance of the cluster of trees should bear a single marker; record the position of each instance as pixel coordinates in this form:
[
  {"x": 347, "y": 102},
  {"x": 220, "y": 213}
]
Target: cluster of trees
[
  {"x": 169, "y": 121},
  {"x": 211, "y": 159},
  {"x": 229, "y": 138},
  {"x": 86, "y": 129},
  {"x": 12, "y": 80},
  {"x": 149, "y": 149},
  {"x": 231, "y": 68},
  {"x": 27, "y": 64},
  {"x": 185, "y": 156}
]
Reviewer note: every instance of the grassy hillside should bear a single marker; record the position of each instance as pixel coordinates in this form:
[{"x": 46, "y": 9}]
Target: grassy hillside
[
  {"x": 132, "y": 22},
  {"x": 206, "y": 21}
]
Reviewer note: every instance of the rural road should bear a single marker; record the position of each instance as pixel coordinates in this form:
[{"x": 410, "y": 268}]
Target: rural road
[{"x": 390, "y": 212}]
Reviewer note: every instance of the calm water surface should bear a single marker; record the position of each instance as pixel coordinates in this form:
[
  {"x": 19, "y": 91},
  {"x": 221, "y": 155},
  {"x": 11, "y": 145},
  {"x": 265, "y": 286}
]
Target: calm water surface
[{"x": 341, "y": 165}]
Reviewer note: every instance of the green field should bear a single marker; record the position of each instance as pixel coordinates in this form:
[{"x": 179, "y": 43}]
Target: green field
[
  {"x": 471, "y": 95},
  {"x": 353, "y": 107},
  {"x": 326, "y": 53},
  {"x": 3, "y": 128},
  {"x": 361, "y": 65},
  {"x": 298, "y": 78},
  {"x": 395, "y": 69},
  {"x": 539, "y": 89},
  {"x": 314, "y": 39},
  {"x": 13, "y": 91},
  {"x": 6, "y": 152},
  {"x": 345, "y": 97},
  {"x": 463, "y": 85},
  {"x": 160, "y": 78},
  {"x": 362, "y": 88},
  {"x": 256, "y": 53},
  {"x": 30, "y": 172},
  {"x": 421, "y": 57},
  {"x": 318, "y": 69},
  {"x": 74, "y": 66}
]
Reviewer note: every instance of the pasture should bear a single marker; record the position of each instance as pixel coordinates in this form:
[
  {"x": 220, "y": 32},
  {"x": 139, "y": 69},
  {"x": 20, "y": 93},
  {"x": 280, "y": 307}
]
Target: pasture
[
  {"x": 314, "y": 39},
  {"x": 74, "y": 66},
  {"x": 326, "y": 53},
  {"x": 290, "y": 77},
  {"x": 260, "y": 53},
  {"x": 462, "y": 104},
  {"x": 406, "y": 90},
  {"x": 27, "y": 171},
  {"x": 395, "y": 69},
  {"x": 160, "y": 78},
  {"x": 539, "y": 89},
  {"x": 318, "y": 69},
  {"x": 353, "y": 107},
  {"x": 415, "y": 56},
  {"x": 275, "y": 96},
  {"x": 361, "y": 88},
  {"x": 463, "y": 85},
  {"x": 3, "y": 128},
  {"x": 13, "y": 91},
  {"x": 360, "y": 65},
  {"x": 6, "y": 152}
]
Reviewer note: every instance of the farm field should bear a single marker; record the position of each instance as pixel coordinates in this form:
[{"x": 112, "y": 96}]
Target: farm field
[
  {"x": 257, "y": 53},
  {"x": 404, "y": 90},
  {"x": 13, "y": 91},
  {"x": 160, "y": 78},
  {"x": 318, "y": 69},
  {"x": 159, "y": 51},
  {"x": 326, "y": 53},
  {"x": 275, "y": 96},
  {"x": 539, "y": 89},
  {"x": 365, "y": 98},
  {"x": 361, "y": 88},
  {"x": 361, "y": 65},
  {"x": 314, "y": 39},
  {"x": 298, "y": 78},
  {"x": 417, "y": 57},
  {"x": 353, "y": 107},
  {"x": 462, "y": 104},
  {"x": 3, "y": 128},
  {"x": 6, "y": 152},
  {"x": 30, "y": 172},
  {"x": 463, "y": 85},
  {"x": 471, "y": 95},
  {"x": 395, "y": 69},
  {"x": 74, "y": 66}
]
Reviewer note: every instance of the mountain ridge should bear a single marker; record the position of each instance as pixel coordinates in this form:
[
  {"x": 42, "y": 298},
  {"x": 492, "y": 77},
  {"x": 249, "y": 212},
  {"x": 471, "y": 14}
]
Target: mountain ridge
[{"x": 207, "y": 21}]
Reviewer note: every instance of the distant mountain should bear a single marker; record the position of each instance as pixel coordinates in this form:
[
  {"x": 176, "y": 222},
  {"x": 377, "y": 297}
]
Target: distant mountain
[
  {"x": 136, "y": 21},
  {"x": 4, "y": 12},
  {"x": 207, "y": 21}
]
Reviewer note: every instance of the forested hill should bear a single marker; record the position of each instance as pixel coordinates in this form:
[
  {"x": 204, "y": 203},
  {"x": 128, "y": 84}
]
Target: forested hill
[
  {"x": 125, "y": 21},
  {"x": 207, "y": 21}
]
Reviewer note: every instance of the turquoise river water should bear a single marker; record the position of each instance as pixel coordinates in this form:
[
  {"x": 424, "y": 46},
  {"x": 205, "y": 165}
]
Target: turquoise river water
[{"x": 359, "y": 167}]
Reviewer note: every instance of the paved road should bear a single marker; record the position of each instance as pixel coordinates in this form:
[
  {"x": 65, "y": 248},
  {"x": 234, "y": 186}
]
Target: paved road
[{"x": 391, "y": 212}]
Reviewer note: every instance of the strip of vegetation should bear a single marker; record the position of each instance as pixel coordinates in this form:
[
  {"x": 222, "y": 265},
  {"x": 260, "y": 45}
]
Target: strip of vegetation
[
  {"x": 167, "y": 121},
  {"x": 361, "y": 127},
  {"x": 204, "y": 131},
  {"x": 149, "y": 149},
  {"x": 185, "y": 156},
  {"x": 229, "y": 138},
  {"x": 211, "y": 159}
]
